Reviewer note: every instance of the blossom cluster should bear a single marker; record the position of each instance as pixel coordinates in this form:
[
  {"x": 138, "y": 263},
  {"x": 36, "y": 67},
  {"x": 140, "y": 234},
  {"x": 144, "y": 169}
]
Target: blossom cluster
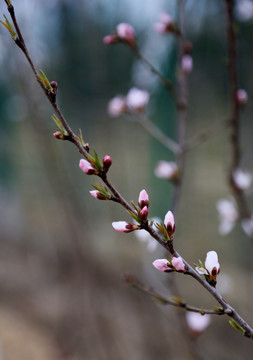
[{"x": 136, "y": 100}]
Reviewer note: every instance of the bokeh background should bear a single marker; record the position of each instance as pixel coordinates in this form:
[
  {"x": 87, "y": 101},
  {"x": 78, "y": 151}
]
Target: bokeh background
[{"x": 61, "y": 263}]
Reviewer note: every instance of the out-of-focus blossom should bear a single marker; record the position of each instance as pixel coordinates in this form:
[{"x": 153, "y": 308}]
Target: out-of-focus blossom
[
  {"x": 86, "y": 167},
  {"x": 228, "y": 215},
  {"x": 143, "y": 199},
  {"x": 97, "y": 195},
  {"x": 143, "y": 236},
  {"x": 242, "y": 96},
  {"x": 137, "y": 99},
  {"x": 225, "y": 284},
  {"x": 244, "y": 10},
  {"x": 126, "y": 33},
  {"x": 169, "y": 223},
  {"x": 242, "y": 179},
  {"x": 247, "y": 226},
  {"x": 212, "y": 265},
  {"x": 165, "y": 25},
  {"x": 178, "y": 264},
  {"x": 117, "y": 106},
  {"x": 162, "y": 265},
  {"x": 187, "y": 64},
  {"x": 123, "y": 226},
  {"x": 110, "y": 39},
  {"x": 197, "y": 322},
  {"x": 166, "y": 170}
]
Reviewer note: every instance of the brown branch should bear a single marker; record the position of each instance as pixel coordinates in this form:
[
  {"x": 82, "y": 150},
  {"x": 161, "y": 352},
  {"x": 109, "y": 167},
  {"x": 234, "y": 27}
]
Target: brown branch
[
  {"x": 135, "y": 283},
  {"x": 248, "y": 331},
  {"x": 235, "y": 111}
]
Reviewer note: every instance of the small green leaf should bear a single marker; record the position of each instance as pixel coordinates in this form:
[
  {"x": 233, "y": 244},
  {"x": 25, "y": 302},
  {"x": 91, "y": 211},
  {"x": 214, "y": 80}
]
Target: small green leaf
[
  {"x": 9, "y": 27},
  {"x": 96, "y": 159},
  {"x": 42, "y": 77},
  {"x": 59, "y": 124},
  {"x": 236, "y": 326},
  {"x": 178, "y": 300},
  {"x": 80, "y": 138}
]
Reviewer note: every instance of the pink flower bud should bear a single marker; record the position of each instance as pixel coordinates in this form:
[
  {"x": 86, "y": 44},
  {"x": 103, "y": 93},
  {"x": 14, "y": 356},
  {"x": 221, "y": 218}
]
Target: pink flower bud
[
  {"x": 107, "y": 162},
  {"x": 137, "y": 99},
  {"x": 178, "y": 264},
  {"x": 187, "y": 64},
  {"x": 166, "y": 25},
  {"x": 212, "y": 265},
  {"x": 144, "y": 213},
  {"x": 117, "y": 106},
  {"x": 97, "y": 195},
  {"x": 110, "y": 39},
  {"x": 169, "y": 223},
  {"x": 143, "y": 199},
  {"x": 126, "y": 33},
  {"x": 166, "y": 170},
  {"x": 197, "y": 322},
  {"x": 123, "y": 226},
  {"x": 162, "y": 265},
  {"x": 242, "y": 97},
  {"x": 86, "y": 167},
  {"x": 59, "y": 135}
]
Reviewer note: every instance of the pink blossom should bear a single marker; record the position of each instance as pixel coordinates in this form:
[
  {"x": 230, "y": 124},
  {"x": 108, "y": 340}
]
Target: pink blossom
[
  {"x": 212, "y": 265},
  {"x": 117, "y": 106},
  {"x": 169, "y": 223},
  {"x": 86, "y": 167},
  {"x": 110, "y": 39},
  {"x": 97, "y": 195},
  {"x": 165, "y": 25},
  {"x": 187, "y": 64},
  {"x": 143, "y": 199},
  {"x": 178, "y": 264},
  {"x": 144, "y": 213},
  {"x": 107, "y": 162},
  {"x": 242, "y": 97},
  {"x": 197, "y": 322},
  {"x": 126, "y": 33},
  {"x": 123, "y": 226},
  {"x": 161, "y": 265},
  {"x": 137, "y": 99},
  {"x": 166, "y": 170}
]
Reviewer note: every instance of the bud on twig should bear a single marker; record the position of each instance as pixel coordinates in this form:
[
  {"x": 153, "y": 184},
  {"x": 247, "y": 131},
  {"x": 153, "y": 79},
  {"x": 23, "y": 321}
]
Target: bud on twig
[
  {"x": 169, "y": 223},
  {"x": 123, "y": 226},
  {"x": 86, "y": 167},
  {"x": 107, "y": 162}
]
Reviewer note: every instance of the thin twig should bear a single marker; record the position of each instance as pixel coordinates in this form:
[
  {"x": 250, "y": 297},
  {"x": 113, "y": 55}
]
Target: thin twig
[
  {"x": 235, "y": 111},
  {"x": 248, "y": 331},
  {"x": 181, "y": 107},
  {"x": 205, "y": 135},
  {"x": 165, "y": 81},
  {"x": 157, "y": 133},
  {"x": 174, "y": 301}
]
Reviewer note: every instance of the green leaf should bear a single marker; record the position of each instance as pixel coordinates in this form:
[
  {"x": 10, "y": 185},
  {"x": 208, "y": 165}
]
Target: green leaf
[
  {"x": 9, "y": 27},
  {"x": 97, "y": 162},
  {"x": 236, "y": 326},
  {"x": 59, "y": 124},
  {"x": 42, "y": 77}
]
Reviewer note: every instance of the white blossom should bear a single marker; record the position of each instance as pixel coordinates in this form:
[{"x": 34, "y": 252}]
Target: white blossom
[{"x": 242, "y": 179}]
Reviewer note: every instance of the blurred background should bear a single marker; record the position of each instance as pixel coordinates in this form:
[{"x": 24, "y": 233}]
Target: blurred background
[{"x": 61, "y": 264}]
